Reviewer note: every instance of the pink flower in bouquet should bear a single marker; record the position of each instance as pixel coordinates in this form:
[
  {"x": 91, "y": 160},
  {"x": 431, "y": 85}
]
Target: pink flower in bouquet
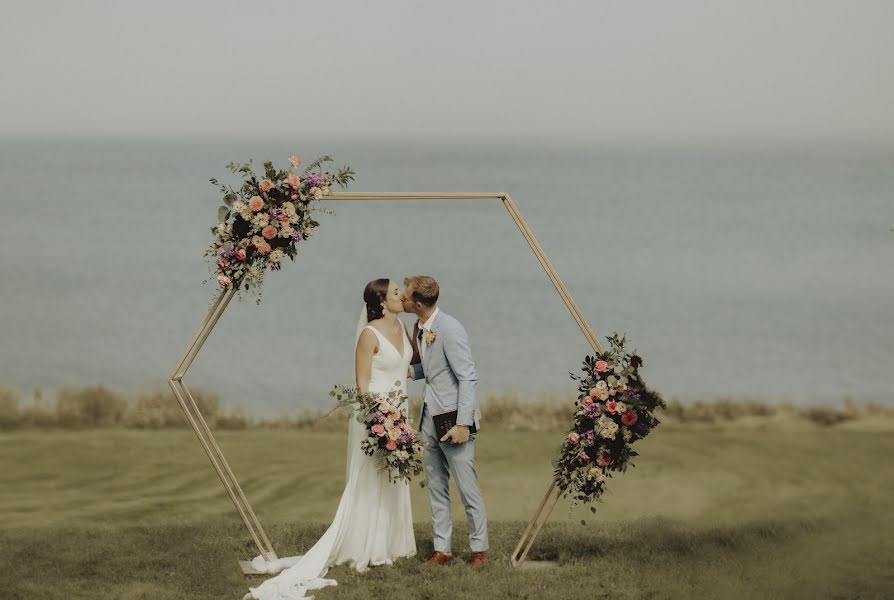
[
  {"x": 584, "y": 456},
  {"x": 283, "y": 218},
  {"x": 391, "y": 444},
  {"x": 240, "y": 254},
  {"x": 264, "y": 248},
  {"x": 604, "y": 460},
  {"x": 378, "y": 429},
  {"x": 269, "y": 232},
  {"x": 224, "y": 281},
  {"x": 595, "y": 392},
  {"x": 294, "y": 181},
  {"x": 266, "y": 185},
  {"x": 573, "y": 438},
  {"x": 587, "y": 401},
  {"x": 294, "y": 160},
  {"x": 629, "y": 418},
  {"x": 255, "y": 203},
  {"x": 601, "y": 366},
  {"x": 223, "y": 264},
  {"x": 611, "y": 406}
]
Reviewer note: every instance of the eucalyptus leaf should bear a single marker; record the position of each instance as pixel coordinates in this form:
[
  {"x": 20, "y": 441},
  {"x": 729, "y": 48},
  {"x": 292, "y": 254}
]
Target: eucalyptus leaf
[{"x": 223, "y": 213}]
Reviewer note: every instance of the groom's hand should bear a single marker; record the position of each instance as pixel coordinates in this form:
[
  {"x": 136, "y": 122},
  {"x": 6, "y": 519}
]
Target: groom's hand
[{"x": 458, "y": 434}]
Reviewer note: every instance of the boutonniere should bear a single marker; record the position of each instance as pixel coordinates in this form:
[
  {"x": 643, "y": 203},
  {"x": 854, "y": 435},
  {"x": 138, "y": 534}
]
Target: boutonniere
[{"x": 430, "y": 336}]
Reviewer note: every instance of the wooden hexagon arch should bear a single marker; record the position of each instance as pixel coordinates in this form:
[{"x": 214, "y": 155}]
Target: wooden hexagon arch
[{"x": 216, "y": 456}]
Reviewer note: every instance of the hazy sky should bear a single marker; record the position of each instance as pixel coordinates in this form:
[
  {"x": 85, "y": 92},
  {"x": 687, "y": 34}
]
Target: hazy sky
[{"x": 618, "y": 71}]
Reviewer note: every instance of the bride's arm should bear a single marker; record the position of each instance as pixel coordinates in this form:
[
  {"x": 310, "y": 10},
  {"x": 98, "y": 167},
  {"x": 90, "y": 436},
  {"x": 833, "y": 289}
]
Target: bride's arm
[{"x": 363, "y": 356}]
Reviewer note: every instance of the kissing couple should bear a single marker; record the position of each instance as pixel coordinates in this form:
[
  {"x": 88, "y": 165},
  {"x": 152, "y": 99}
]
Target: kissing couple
[{"x": 373, "y": 524}]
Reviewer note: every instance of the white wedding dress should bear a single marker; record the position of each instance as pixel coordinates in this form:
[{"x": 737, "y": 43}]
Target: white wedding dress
[{"x": 373, "y": 524}]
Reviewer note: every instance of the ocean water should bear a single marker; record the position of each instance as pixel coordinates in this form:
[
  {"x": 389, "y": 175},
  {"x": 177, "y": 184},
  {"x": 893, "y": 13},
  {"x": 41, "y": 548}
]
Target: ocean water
[{"x": 760, "y": 274}]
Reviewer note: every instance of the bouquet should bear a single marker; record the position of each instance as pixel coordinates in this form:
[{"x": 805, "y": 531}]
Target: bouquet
[
  {"x": 389, "y": 438},
  {"x": 263, "y": 220},
  {"x": 614, "y": 410}
]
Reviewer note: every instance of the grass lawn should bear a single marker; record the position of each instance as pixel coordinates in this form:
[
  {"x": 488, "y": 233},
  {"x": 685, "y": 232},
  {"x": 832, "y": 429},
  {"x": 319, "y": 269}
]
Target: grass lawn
[{"x": 762, "y": 508}]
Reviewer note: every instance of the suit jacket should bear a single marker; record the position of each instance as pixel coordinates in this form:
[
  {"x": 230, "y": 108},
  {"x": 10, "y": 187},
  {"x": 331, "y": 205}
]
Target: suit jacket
[{"x": 449, "y": 371}]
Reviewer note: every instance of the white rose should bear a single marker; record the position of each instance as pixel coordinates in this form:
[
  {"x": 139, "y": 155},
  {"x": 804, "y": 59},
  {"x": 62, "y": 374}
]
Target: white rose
[
  {"x": 601, "y": 385},
  {"x": 621, "y": 408},
  {"x": 275, "y": 256},
  {"x": 316, "y": 192}
]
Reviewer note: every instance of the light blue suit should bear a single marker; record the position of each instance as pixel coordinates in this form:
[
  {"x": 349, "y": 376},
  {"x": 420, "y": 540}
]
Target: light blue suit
[{"x": 450, "y": 383}]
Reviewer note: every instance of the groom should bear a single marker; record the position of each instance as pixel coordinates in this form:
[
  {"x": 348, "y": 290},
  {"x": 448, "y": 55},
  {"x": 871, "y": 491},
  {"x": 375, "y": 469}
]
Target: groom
[{"x": 445, "y": 361}]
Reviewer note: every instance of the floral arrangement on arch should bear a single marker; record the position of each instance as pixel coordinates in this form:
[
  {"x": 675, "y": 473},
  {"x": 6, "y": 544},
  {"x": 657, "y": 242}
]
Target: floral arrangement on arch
[
  {"x": 389, "y": 438},
  {"x": 263, "y": 220},
  {"x": 614, "y": 409}
]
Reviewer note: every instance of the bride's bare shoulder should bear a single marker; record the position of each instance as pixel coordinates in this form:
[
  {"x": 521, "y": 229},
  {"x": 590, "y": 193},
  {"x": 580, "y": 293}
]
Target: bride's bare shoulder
[{"x": 368, "y": 341}]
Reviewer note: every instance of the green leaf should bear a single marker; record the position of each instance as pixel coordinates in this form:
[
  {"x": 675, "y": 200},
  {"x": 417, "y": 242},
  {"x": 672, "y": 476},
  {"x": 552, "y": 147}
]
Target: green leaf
[{"x": 223, "y": 213}]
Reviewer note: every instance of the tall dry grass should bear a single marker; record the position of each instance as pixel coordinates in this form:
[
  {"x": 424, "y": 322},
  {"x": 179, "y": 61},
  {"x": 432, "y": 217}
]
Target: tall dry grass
[{"x": 99, "y": 407}]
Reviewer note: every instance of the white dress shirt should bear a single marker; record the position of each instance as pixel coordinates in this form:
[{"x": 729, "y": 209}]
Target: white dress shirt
[{"x": 426, "y": 328}]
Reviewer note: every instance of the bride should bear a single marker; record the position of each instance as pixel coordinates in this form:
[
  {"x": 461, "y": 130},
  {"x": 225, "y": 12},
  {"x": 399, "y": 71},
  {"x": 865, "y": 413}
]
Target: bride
[{"x": 373, "y": 524}]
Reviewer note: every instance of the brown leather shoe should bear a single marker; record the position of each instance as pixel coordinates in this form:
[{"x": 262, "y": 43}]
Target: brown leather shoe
[
  {"x": 479, "y": 559},
  {"x": 439, "y": 558}
]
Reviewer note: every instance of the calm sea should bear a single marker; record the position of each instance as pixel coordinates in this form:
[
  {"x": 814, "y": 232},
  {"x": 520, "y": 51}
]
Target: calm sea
[{"x": 734, "y": 273}]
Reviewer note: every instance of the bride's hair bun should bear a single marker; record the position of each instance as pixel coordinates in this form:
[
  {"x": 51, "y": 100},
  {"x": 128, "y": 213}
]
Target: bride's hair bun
[{"x": 374, "y": 295}]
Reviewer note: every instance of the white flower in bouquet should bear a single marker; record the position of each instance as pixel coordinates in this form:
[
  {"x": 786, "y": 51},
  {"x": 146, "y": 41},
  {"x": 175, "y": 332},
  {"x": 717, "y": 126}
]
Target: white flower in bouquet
[
  {"x": 325, "y": 190},
  {"x": 288, "y": 209},
  {"x": 257, "y": 241},
  {"x": 276, "y": 256},
  {"x": 626, "y": 433},
  {"x": 403, "y": 454},
  {"x": 621, "y": 408},
  {"x": 285, "y": 231},
  {"x": 261, "y": 220},
  {"x": 394, "y": 433},
  {"x": 608, "y": 429},
  {"x": 316, "y": 192},
  {"x": 601, "y": 385},
  {"x": 597, "y": 474}
]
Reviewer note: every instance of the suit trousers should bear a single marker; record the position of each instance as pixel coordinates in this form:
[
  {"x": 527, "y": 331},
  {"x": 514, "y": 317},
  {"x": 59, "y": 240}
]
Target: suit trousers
[{"x": 443, "y": 460}]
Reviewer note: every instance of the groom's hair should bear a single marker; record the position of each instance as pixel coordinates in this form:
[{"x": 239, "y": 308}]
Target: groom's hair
[{"x": 425, "y": 289}]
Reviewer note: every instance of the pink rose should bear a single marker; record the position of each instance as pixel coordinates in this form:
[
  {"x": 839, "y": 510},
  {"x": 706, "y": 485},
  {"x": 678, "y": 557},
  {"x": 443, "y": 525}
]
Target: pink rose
[
  {"x": 594, "y": 392},
  {"x": 255, "y": 204},
  {"x": 283, "y": 218},
  {"x": 294, "y": 160},
  {"x": 601, "y": 366},
  {"x": 584, "y": 456},
  {"x": 611, "y": 406},
  {"x": 224, "y": 281},
  {"x": 587, "y": 401},
  {"x": 604, "y": 460},
  {"x": 269, "y": 232},
  {"x": 240, "y": 254},
  {"x": 294, "y": 181},
  {"x": 378, "y": 429},
  {"x": 391, "y": 445},
  {"x": 223, "y": 264},
  {"x": 629, "y": 418},
  {"x": 266, "y": 185},
  {"x": 573, "y": 438},
  {"x": 264, "y": 248}
]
